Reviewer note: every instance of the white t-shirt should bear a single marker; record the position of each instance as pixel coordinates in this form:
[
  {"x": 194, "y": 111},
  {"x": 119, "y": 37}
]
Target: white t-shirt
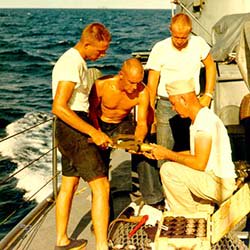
[
  {"x": 178, "y": 65},
  {"x": 72, "y": 67},
  {"x": 220, "y": 160}
]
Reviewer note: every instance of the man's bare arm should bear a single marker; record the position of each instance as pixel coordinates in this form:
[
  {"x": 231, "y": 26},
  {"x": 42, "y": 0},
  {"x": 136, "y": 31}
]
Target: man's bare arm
[
  {"x": 210, "y": 80},
  {"x": 198, "y": 161},
  {"x": 143, "y": 106},
  {"x": 153, "y": 81},
  {"x": 61, "y": 109}
]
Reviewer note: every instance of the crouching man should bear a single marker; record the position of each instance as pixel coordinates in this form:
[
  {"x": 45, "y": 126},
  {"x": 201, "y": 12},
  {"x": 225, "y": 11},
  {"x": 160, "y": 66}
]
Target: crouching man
[{"x": 206, "y": 173}]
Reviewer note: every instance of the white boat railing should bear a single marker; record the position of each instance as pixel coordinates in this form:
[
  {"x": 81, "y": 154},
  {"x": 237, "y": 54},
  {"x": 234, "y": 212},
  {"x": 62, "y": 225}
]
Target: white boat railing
[{"x": 31, "y": 221}]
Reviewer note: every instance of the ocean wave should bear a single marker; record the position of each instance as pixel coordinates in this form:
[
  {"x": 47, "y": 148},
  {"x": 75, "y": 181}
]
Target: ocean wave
[
  {"x": 27, "y": 147},
  {"x": 41, "y": 69},
  {"x": 13, "y": 206},
  {"x": 55, "y": 45},
  {"x": 4, "y": 122},
  {"x": 22, "y": 55},
  {"x": 2, "y": 14},
  {"x": 4, "y": 44},
  {"x": 15, "y": 154},
  {"x": 105, "y": 67},
  {"x": 10, "y": 25},
  {"x": 5, "y": 67},
  {"x": 10, "y": 114}
]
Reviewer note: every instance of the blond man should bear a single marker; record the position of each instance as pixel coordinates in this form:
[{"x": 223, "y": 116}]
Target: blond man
[{"x": 79, "y": 158}]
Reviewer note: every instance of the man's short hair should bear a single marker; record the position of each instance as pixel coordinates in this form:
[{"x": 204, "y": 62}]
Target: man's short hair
[
  {"x": 181, "y": 20},
  {"x": 96, "y": 32}
]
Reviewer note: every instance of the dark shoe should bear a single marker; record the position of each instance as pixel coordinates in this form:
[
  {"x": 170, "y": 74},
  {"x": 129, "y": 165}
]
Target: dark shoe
[
  {"x": 159, "y": 205},
  {"x": 73, "y": 245}
]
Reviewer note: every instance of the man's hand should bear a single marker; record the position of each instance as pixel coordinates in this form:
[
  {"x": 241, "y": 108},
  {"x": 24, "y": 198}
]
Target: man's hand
[
  {"x": 153, "y": 128},
  {"x": 205, "y": 100},
  {"x": 157, "y": 152},
  {"x": 101, "y": 139}
]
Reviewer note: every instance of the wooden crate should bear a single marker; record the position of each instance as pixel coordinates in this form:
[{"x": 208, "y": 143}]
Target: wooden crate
[{"x": 218, "y": 224}]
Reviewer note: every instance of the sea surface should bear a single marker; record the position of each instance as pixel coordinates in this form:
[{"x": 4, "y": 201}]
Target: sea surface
[{"x": 31, "y": 40}]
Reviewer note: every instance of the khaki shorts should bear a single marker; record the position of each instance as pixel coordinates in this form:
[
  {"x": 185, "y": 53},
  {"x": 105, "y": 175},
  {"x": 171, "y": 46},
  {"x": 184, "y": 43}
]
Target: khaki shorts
[{"x": 79, "y": 158}]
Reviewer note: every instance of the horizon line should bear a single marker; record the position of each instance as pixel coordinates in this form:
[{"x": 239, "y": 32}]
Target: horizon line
[{"x": 102, "y": 8}]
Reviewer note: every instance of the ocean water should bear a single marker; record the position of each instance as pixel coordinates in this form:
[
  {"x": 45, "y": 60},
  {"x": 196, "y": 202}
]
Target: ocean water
[{"x": 31, "y": 40}]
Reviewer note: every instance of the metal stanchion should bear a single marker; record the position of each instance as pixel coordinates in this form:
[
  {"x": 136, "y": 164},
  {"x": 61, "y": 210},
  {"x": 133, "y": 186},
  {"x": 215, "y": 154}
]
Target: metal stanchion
[{"x": 54, "y": 160}]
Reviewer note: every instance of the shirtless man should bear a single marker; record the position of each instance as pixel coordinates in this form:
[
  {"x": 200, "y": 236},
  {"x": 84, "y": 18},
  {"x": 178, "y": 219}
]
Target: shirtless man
[
  {"x": 113, "y": 98},
  {"x": 111, "y": 102}
]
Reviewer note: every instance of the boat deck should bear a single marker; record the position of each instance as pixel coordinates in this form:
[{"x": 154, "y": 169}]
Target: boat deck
[
  {"x": 79, "y": 225},
  {"x": 43, "y": 234}
]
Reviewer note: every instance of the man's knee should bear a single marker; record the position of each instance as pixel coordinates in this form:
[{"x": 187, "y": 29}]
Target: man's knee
[
  {"x": 69, "y": 184},
  {"x": 100, "y": 186},
  {"x": 166, "y": 169}
]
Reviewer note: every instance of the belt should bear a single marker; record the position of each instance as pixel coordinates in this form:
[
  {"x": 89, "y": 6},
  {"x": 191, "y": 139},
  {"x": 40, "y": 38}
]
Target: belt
[{"x": 164, "y": 98}]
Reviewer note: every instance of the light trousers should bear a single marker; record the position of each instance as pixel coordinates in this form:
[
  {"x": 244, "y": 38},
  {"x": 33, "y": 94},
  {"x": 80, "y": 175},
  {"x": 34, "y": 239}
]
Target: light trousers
[{"x": 187, "y": 189}]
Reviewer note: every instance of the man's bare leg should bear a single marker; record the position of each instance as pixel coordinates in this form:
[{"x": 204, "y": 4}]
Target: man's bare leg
[
  {"x": 63, "y": 207},
  {"x": 100, "y": 211}
]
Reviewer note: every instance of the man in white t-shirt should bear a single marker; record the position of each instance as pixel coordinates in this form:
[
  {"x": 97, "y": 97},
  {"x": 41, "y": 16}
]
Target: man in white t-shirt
[
  {"x": 178, "y": 57},
  {"x": 205, "y": 174},
  {"x": 79, "y": 158}
]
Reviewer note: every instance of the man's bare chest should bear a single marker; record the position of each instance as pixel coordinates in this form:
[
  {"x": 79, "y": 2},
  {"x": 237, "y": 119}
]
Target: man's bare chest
[{"x": 119, "y": 101}]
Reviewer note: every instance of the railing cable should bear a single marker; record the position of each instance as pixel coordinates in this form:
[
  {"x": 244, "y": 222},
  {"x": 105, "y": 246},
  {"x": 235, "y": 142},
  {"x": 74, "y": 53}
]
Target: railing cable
[
  {"x": 21, "y": 169},
  {"x": 10, "y": 215},
  {"x": 25, "y": 130},
  {"x": 55, "y": 172},
  {"x": 51, "y": 179}
]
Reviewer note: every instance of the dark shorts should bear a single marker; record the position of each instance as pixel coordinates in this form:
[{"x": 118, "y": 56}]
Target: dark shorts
[
  {"x": 126, "y": 126},
  {"x": 79, "y": 157}
]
